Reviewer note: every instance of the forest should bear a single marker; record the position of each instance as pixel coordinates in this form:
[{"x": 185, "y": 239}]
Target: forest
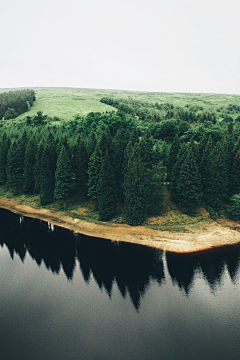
[
  {"x": 15, "y": 102},
  {"x": 129, "y": 159}
]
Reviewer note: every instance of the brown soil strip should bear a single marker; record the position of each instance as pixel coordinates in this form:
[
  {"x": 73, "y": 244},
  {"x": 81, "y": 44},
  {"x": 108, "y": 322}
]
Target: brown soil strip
[{"x": 210, "y": 235}]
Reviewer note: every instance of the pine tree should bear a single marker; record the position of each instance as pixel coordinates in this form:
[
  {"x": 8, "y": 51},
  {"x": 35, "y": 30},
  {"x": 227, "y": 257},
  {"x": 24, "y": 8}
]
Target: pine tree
[
  {"x": 106, "y": 190},
  {"x": 189, "y": 184},
  {"x": 134, "y": 137},
  {"x": 52, "y": 148},
  {"x": 176, "y": 170},
  {"x": 105, "y": 144},
  {"x": 172, "y": 158},
  {"x": 47, "y": 177},
  {"x": 14, "y": 171},
  {"x": 135, "y": 188},
  {"x": 81, "y": 168},
  {"x": 119, "y": 145},
  {"x": 146, "y": 146},
  {"x": 94, "y": 167},
  {"x": 29, "y": 163},
  {"x": 22, "y": 143},
  {"x": 63, "y": 176},
  {"x": 156, "y": 178},
  {"x": 4, "y": 148},
  {"x": 205, "y": 167},
  {"x": 217, "y": 190},
  {"x": 91, "y": 144},
  {"x": 38, "y": 167}
]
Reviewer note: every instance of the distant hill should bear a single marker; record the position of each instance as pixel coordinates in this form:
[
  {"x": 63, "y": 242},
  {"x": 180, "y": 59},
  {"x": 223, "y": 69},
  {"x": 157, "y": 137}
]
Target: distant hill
[{"x": 65, "y": 103}]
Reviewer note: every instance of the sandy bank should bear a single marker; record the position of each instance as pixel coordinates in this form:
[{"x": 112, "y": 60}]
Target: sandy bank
[{"x": 207, "y": 236}]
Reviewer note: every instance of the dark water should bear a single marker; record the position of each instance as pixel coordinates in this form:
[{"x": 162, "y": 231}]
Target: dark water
[{"x": 66, "y": 296}]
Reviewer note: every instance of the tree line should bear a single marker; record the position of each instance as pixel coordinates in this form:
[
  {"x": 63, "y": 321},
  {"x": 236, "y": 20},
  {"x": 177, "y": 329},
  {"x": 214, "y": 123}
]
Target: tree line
[
  {"x": 15, "y": 102},
  {"x": 107, "y": 171},
  {"x": 115, "y": 162}
]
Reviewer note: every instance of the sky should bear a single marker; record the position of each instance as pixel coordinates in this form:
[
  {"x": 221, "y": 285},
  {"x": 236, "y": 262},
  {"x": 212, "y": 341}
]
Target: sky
[{"x": 156, "y": 45}]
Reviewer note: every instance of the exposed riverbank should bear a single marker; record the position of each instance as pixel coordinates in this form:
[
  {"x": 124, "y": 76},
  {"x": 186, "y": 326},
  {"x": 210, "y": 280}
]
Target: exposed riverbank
[{"x": 208, "y": 235}]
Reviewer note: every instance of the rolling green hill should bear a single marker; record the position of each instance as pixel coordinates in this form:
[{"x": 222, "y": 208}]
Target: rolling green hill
[{"x": 65, "y": 103}]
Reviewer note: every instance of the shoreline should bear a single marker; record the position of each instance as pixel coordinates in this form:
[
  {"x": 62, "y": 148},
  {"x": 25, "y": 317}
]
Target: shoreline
[{"x": 211, "y": 235}]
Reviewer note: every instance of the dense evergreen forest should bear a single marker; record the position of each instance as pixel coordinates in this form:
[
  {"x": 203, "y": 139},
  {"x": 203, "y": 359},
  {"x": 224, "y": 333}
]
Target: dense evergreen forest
[
  {"x": 127, "y": 160},
  {"x": 15, "y": 102}
]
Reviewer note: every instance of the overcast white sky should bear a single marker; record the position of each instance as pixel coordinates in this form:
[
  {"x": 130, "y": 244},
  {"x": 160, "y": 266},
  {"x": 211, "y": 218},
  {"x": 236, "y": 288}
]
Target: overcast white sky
[{"x": 145, "y": 45}]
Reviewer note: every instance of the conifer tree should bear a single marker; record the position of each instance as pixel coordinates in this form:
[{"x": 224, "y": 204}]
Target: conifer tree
[
  {"x": 176, "y": 170},
  {"x": 63, "y": 176},
  {"x": 38, "y": 167},
  {"x": 134, "y": 137},
  {"x": 146, "y": 146},
  {"x": 14, "y": 171},
  {"x": 91, "y": 143},
  {"x": 94, "y": 167},
  {"x": 4, "y": 148},
  {"x": 218, "y": 185},
  {"x": 22, "y": 143},
  {"x": 205, "y": 168},
  {"x": 135, "y": 188},
  {"x": 119, "y": 146},
  {"x": 81, "y": 168},
  {"x": 105, "y": 144},
  {"x": 156, "y": 178},
  {"x": 47, "y": 176},
  {"x": 195, "y": 148},
  {"x": 189, "y": 188},
  {"x": 29, "y": 163},
  {"x": 63, "y": 141},
  {"x": 106, "y": 190},
  {"x": 172, "y": 158},
  {"x": 52, "y": 148},
  {"x": 203, "y": 144}
]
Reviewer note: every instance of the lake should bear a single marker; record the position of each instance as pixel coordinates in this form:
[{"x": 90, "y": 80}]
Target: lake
[{"x": 68, "y": 296}]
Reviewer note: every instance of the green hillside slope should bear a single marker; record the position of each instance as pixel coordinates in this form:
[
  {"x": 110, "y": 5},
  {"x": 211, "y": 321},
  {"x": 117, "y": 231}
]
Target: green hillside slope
[{"x": 65, "y": 103}]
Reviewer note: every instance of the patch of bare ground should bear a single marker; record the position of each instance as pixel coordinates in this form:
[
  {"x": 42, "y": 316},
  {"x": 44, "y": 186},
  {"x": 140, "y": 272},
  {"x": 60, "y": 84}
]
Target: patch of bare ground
[{"x": 205, "y": 235}]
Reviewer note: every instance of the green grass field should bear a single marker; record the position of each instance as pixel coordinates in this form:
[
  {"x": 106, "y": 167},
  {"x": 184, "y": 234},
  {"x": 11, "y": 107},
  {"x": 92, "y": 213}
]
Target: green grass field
[{"x": 65, "y": 103}]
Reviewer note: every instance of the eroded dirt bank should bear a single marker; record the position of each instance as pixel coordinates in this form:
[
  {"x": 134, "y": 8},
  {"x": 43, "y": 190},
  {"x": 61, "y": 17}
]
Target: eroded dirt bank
[{"x": 207, "y": 236}]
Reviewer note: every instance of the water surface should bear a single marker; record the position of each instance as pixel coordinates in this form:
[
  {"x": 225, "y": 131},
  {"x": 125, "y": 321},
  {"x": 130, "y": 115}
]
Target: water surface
[{"x": 67, "y": 296}]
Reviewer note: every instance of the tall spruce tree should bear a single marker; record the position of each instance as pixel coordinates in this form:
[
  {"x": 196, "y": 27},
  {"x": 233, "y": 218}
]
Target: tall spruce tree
[
  {"x": 218, "y": 183},
  {"x": 29, "y": 162},
  {"x": 189, "y": 188},
  {"x": 52, "y": 148},
  {"x": 156, "y": 178},
  {"x": 106, "y": 190},
  {"x": 94, "y": 167},
  {"x": 135, "y": 188},
  {"x": 119, "y": 145},
  {"x": 146, "y": 146},
  {"x": 91, "y": 143},
  {"x": 4, "y": 148},
  {"x": 47, "y": 177},
  {"x": 22, "y": 143},
  {"x": 63, "y": 176},
  {"x": 13, "y": 169},
  {"x": 176, "y": 170},
  {"x": 81, "y": 168},
  {"x": 105, "y": 144},
  {"x": 172, "y": 158},
  {"x": 38, "y": 167}
]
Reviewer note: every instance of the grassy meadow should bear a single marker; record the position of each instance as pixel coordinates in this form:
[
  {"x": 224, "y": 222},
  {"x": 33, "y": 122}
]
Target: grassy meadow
[{"x": 65, "y": 103}]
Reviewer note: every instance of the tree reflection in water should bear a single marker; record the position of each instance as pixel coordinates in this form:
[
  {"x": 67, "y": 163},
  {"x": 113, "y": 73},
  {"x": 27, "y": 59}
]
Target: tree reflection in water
[{"x": 131, "y": 267}]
